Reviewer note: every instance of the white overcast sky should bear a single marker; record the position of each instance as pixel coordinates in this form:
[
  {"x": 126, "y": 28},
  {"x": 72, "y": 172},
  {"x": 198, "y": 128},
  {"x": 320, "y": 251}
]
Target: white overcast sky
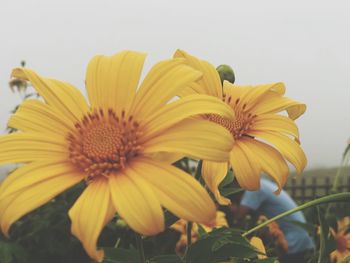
[{"x": 305, "y": 44}]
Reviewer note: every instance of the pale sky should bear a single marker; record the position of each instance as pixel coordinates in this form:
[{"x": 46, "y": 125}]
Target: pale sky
[{"x": 305, "y": 44}]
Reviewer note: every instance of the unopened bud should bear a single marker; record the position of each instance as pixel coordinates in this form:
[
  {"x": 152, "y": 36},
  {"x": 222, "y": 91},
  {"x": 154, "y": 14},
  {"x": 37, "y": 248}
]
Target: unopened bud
[{"x": 226, "y": 73}]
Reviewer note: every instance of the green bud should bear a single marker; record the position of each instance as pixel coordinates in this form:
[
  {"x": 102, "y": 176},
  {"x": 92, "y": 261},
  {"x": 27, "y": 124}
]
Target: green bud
[
  {"x": 121, "y": 223},
  {"x": 226, "y": 73}
]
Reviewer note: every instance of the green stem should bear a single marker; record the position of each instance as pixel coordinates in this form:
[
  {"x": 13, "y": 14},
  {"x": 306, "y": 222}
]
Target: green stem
[
  {"x": 139, "y": 245},
  {"x": 345, "y": 197},
  {"x": 334, "y": 188},
  {"x": 189, "y": 233}
]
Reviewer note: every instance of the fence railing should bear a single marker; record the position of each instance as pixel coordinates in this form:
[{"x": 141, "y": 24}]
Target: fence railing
[{"x": 305, "y": 189}]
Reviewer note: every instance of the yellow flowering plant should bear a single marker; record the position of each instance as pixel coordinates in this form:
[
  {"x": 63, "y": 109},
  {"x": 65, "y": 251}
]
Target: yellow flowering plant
[{"x": 104, "y": 166}]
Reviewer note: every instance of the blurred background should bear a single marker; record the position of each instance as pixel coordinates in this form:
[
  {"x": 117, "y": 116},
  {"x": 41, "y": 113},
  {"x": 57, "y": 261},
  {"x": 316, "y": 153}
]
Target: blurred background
[{"x": 304, "y": 44}]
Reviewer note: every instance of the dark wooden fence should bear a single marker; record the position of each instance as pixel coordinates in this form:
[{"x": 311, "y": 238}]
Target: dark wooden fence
[{"x": 304, "y": 189}]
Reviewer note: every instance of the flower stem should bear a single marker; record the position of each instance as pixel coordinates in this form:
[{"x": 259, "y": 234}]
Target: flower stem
[
  {"x": 339, "y": 170},
  {"x": 139, "y": 245},
  {"x": 334, "y": 188},
  {"x": 189, "y": 233},
  {"x": 341, "y": 197}
]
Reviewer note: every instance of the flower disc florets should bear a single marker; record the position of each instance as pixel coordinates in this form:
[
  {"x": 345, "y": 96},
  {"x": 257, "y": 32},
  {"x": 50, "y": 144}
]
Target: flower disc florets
[{"x": 103, "y": 143}]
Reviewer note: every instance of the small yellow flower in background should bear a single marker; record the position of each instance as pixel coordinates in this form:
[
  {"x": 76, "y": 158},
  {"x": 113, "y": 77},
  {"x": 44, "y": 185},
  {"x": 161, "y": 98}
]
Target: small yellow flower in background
[
  {"x": 180, "y": 226},
  {"x": 342, "y": 240},
  {"x": 259, "y": 245},
  {"x": 264, "y": 140},
  {"x": 111, "y": 143}
]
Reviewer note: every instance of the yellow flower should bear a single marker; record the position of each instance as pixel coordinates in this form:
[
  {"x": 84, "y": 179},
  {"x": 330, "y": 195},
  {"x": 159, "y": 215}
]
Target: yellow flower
[
  {"x": 111, "y": 143},
  {"x": 180, "y": 226},
  {"x": 259, "y": 245},
  {"x": 264, "y": 140},
  {"x": 342, "y": 240}
]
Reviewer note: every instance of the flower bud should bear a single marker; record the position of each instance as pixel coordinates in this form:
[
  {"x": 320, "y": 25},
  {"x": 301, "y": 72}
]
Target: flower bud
[{"x": 226, "y": 73}]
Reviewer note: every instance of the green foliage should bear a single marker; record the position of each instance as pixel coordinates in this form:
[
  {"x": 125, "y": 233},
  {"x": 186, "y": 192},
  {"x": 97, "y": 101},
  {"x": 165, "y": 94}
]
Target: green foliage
[
  {"x": 167, "y": 259},
  {"x": 220, "y": 245},
  {"x": 327, "y": 244},
  {"x": 217, "y": 246},
  {"x": 227, "y": 186},
  {"x": 121, "y": 255},
  {"x": 10, "y": 252},
  {"x": 44, "y": 235}
]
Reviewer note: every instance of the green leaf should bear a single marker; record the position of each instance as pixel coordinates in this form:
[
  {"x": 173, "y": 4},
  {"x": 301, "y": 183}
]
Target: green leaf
[
  {"x": 121, "y": 255},
  {"x": 266, "y": 260},
  {"x": 201, "y": 230},
  {"x": 220, "y": 245},
  {"x": 228, "y": 179},
  {"x": 166, "y": 259},
  {"x": 326, "y": 242},
  {"x": 226, "y": 187},
  {"x": 230, "y": 191},
  {"x": 10, "y": 251},
  {"x": 5, "y": 253}
]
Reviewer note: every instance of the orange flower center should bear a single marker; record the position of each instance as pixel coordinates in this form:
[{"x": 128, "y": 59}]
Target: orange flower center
[
  {"x": 103, "y": 143},
  {"x": 242, "y": 122}
]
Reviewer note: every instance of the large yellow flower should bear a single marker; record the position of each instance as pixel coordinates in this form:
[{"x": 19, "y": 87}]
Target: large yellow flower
[
  {"x": 111, "y": 144},
  {"x": 264, "y": 140}
]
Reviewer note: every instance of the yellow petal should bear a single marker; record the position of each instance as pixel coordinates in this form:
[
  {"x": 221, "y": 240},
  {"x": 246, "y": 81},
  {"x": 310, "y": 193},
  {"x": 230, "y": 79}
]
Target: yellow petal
[
  {"x": 182, "y": 109},
  {"x": 255, "y": 94},
  {"x": 112, "y": 81},
  {"x": 17, "y": 204},
  {"x": 61, "y": 96},
  {"x": 210, "y": 84},
  {"x": 251, "y": 95},
  {"x": 177, "y": 191},
  {"x": 270, "y": 160},
  {"x": 213, "y": 174},
  {"x": 290, "y": 149},
  {"x": 198, "y": 139},
  {"x": 33, "y": 173},
  {"x": 136, "y": 202},
  {"x": 246, "y": 169},
  {"x": 26, "y": 147},
  {"x": 259, "y": 245},
  {"x": 162, "y": 83},
  {"x": 273, "y": 102},
  {"x": 273, "y": 122},
  {"x": 36, "y": 116},
  {"x": 191, "y": 88},
  {"x": 235, "y": 92},
  {"x": 166, "y": 157},
  {"x": 89, "y": 214},
  {"x": 343, "y": 223}
]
